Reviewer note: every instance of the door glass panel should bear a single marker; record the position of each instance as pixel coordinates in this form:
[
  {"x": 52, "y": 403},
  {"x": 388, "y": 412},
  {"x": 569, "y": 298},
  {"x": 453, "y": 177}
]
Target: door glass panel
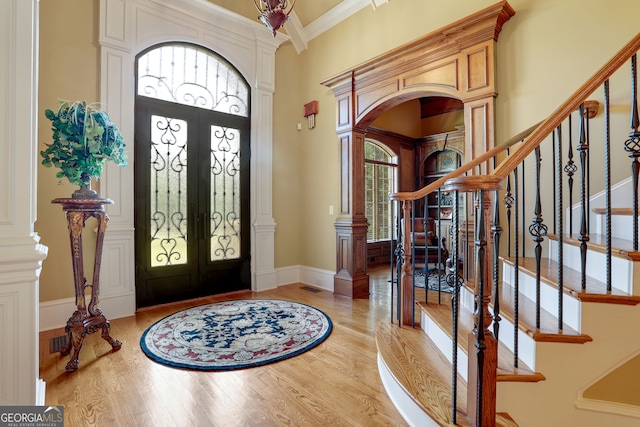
[
  {"x": 192, "y": 76},
  {"x": 168, "y": 191},
  {"x": 225, "y": 193}
]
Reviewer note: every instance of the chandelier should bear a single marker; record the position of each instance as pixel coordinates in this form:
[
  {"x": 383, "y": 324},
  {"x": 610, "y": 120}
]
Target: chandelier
[{"x": 273, "y": 13}]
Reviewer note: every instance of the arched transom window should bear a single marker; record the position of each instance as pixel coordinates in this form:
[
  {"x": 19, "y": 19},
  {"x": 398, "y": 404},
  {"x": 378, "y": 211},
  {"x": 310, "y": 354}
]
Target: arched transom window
[{"x": 189, "y": 75}]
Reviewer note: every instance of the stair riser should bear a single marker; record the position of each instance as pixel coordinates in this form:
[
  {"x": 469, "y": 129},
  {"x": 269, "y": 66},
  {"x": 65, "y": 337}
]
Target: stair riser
[
  {"x": 444, "y": 343},
  {"x": 621, "y": 226},
  {"x": 621, "y": 269},
  {"x": 548, "y": 296},
  {"x": 526, "y": 344}
]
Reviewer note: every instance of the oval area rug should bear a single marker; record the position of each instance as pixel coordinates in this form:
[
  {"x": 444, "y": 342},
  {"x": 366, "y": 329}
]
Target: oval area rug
[{"x": 235, "y": 334}]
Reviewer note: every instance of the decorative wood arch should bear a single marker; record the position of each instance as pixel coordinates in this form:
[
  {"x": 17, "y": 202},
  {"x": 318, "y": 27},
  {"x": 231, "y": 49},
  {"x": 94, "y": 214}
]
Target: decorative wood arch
[{"x": 456, "y": 61}]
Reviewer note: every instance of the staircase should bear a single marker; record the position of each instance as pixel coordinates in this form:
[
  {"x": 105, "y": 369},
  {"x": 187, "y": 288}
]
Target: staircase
[{"x": 545, "y": 305}]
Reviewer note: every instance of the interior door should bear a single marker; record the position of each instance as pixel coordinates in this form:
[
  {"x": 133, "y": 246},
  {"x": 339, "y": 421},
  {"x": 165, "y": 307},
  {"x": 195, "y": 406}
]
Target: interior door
[{"x": 192, "y": 205}]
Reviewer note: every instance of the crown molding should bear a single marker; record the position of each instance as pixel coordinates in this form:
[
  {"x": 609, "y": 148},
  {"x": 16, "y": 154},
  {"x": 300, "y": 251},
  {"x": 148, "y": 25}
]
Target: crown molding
[
  {"x": 296, "y": 32},
  {"x": 301, "y": 36}
]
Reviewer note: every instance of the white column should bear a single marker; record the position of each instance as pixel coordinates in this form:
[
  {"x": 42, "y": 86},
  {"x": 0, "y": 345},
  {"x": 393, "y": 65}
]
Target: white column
[{"x": 21, "y": 254}]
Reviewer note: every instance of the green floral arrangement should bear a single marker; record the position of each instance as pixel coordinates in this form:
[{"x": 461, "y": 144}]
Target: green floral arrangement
[{"x": 84, "y": 138}]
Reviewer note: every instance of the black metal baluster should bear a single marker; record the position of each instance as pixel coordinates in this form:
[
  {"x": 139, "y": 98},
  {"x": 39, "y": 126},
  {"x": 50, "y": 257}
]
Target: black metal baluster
[
  {"x": 524, "y": 212},
  {"x": 570, "y": 168},
  {"x": 553, "y": 183},
  {"x": 438, "y": 243},
  {"x": 538, "y": 230},
  {"x": 413, "y": 264},
  {"x": 560, "y": 227},
  {"x": 497, "y": 231},
  {"x": 425, "y": 216},
  {"x": 516, "y": 268},
  {"x": 453, "y": 280},
  {"x": 508, "y": 203},
  {"x": 632, "y": 147},
  {"x": 399, "y": 252},
  {"x": 480, "y": 243},
  {"x": 467, "y": 255},
  {"x": 607, "y": 174},
  {"x": 584, "y": 236},
  {"x": 588, "y": 140}
]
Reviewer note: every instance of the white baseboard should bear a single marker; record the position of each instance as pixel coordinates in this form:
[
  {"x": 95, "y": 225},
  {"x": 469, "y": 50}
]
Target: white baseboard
[
  {"x": 613, "y": 408},
  {"x": 308, "y": 275},
  {"x": 54, "y": 314},
  {"x": 41, "y": 391}
]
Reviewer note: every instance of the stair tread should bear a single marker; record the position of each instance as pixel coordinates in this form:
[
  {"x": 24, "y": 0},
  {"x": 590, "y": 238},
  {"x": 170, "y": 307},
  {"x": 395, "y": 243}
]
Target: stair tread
[
  {"x": 548, "y": 330},
  {"x": 442, "y": 315},
  {"x": 614, "y": 211},
  {"x": 621, "y": 248},
  {"x": 424, "y": 373},
  {"x": 596, "y": 290}
]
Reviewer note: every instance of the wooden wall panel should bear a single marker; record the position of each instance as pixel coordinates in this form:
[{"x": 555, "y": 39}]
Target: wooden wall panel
[
  {"x": 479, "y": 125},
  {"x": 372, "y": 95},
  {"x": 479, "y": 69},
  {"x": 406, "y": 163},
  {"x": 345, "y": 156},
  {"x": 344, "y": 109},
  {"x": 443, "y": 76}
]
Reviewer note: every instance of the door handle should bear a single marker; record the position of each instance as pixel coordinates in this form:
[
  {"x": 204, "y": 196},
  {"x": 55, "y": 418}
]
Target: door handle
[{"x": 194, "y": 223}]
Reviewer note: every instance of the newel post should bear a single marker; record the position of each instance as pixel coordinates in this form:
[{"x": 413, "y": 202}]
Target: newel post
[
  {"x": 483, "y": 345},
  {"x": 406, "y": 278},
  {"x": 481, "y": 387}
]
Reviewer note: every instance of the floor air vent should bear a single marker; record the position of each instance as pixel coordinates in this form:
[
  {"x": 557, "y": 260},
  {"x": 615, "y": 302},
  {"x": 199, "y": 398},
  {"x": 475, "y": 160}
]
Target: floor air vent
[
  {"x": 310, "y": 289},
  {"x": 56, "y": 344}
]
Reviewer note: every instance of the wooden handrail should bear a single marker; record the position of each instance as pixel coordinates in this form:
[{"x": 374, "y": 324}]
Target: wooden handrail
[
  {"x": 558, "y": 116},
  {"x": 424, "y": 191}
]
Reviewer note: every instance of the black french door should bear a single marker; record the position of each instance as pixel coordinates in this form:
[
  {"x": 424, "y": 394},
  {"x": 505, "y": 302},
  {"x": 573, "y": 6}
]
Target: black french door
[{"x": 191, "y": 202}]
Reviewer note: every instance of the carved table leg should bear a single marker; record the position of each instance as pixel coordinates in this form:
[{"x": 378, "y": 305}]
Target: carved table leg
[
  {"x": 76, "y": 341},
  {"x": 115, "y": 344}
]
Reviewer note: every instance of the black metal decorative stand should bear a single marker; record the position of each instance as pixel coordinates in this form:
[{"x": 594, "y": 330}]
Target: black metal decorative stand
[{"x": 85, "y": 204}]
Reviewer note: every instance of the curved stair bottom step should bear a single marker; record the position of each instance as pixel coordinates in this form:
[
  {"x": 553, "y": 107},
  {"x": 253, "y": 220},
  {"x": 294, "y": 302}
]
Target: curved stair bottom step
[
  {"x": 417, "y": 378},
  {"x": 404, "y": 403},
  {"x": 411, "y": 412}
]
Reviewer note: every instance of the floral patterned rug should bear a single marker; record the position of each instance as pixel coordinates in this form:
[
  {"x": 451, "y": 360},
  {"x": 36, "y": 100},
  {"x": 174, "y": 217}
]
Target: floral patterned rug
[
  {"x": 437, "y": 281},
  {"x": 235, "y": 334}
]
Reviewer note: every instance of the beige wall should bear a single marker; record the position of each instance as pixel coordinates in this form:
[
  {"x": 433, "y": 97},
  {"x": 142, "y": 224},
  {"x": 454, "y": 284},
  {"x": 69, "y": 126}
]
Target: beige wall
[
  {"x": 287, "y": 168},
  {"x": 544, "y": 53},
  {"x": 69, "y": 68}
]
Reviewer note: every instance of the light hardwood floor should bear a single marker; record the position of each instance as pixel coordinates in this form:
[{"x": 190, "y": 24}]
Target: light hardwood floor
[{"x": 335, "y": 384}]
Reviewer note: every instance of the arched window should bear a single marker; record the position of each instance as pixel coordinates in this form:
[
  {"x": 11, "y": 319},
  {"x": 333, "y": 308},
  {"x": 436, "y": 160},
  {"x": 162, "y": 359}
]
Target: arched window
[
  {"x": 189, "y": 75},
  {"x": 380, "y": 171}
]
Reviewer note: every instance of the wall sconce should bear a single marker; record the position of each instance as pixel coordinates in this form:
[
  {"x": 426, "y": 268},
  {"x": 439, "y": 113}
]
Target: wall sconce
[{"x": 310, "y": 111}]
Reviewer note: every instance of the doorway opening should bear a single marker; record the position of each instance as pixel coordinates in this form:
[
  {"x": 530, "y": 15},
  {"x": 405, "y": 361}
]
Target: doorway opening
[{"x": 192, "y": 135}]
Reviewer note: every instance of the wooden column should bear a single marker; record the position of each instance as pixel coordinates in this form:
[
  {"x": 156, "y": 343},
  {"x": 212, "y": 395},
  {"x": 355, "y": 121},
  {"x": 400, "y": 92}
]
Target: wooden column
[{"x": 351, "y": 278}]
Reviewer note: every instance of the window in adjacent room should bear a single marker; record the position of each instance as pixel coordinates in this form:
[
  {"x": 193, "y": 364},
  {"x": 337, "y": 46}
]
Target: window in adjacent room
[{"x": 380, "y": 171}]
